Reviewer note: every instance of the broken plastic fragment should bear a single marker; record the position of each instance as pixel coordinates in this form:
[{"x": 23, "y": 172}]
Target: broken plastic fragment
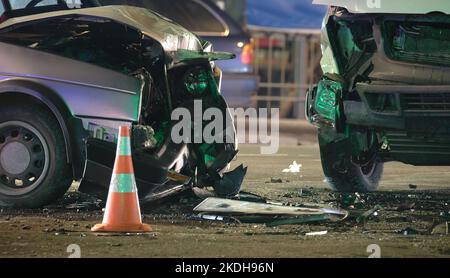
[
  {"x": 363, "y": 217},
  {"x": 321, "y": 233},
  {"x": 293, "y": 168}
]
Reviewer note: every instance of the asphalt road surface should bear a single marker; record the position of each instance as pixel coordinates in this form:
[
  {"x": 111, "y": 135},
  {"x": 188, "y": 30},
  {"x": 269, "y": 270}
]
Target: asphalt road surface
[{"x": 411, "y": 223}]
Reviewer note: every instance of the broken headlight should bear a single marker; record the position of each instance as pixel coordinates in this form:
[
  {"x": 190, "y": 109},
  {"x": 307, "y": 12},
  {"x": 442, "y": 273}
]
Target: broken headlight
[
  {"x": 196, "y": 81},
  {"x": 322, "y": 103}
]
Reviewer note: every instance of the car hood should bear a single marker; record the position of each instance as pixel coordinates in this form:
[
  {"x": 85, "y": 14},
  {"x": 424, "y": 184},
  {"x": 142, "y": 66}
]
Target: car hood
[
  {"x": 172, "y": 36},
  {"x": 389, "y": 6}
]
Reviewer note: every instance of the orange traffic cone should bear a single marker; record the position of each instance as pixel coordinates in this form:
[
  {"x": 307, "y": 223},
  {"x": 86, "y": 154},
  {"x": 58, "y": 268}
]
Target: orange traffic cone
[{"x": 122, "y": 212}]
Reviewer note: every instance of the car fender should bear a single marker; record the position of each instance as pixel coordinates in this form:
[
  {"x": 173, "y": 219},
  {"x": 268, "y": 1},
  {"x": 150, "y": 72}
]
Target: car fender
[{"x": 49, "y": 98}]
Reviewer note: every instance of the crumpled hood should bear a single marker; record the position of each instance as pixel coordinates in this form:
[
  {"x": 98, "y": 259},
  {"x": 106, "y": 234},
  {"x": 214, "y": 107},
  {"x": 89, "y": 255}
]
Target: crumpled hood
[
  {"x": 390, "y": 6},
  {"x": 171, "y": 35}
]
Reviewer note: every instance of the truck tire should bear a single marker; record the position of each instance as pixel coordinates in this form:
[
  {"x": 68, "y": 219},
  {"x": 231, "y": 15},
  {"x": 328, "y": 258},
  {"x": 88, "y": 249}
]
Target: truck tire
[
  {"x": 33, "y": 163},
  {"x": 342, "y": 174}
]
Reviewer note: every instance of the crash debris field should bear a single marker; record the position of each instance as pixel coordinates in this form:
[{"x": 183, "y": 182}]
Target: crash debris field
[{"x": 407, "y": 217}]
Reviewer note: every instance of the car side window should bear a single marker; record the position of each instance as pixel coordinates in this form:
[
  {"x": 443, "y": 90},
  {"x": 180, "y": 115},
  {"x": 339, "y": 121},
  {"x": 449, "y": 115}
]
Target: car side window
[{"x": 2, "y": 9}]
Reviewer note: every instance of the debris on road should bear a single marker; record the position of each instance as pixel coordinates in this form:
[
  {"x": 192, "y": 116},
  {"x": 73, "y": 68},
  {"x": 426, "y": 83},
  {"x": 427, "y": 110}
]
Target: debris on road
[
  {"x": 85, "y": 205},
  {"x": 273, "y": 214},
  {"x": 440, "y": 229},
  {"x": 275, "y": 180},
  {"x": 365, "y": 216},
  {"x": 321, "y": 233},
  {"x": 293, "y": 168},
  {"x": 299, "y": 220},
  {"x": 352, "y": 200},
  {"x": 406, "y": 206},
  {"x": 408, "y": 231},
  {"x": 412, "y": 186}
]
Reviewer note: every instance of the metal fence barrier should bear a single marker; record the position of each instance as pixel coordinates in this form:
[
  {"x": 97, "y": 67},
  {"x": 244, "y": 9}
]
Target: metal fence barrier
[{"x": 287, "y": 62}]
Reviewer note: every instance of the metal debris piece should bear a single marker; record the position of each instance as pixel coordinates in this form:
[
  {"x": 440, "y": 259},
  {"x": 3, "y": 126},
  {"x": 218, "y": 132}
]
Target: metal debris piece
[
  {"x": 406, "y": 206},
  {"x": 272, "y": 214},
  {"x": 209, "y": 217},
  {"x": 226, "y": 206},
  {"x": 321, "y": 233},
  {"x": 351, "y": 200},
  {"x": 231, "y": 182},
  {"x": 363, "y": 217},
  {"x": 84, "y": 205},
  {"x": 203, "y": 193},
  {"x": 408, "y": 231}
]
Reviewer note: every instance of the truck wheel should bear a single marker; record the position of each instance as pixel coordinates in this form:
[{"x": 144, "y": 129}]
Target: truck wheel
[
  {"x": 33, "y": 164},
  {"x": 343, "y": 175}
]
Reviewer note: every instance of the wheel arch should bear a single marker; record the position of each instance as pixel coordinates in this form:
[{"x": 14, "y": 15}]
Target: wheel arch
[{"x": 17, "y": 89}]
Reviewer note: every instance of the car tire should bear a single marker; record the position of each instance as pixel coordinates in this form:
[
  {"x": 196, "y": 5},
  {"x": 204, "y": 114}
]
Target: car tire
[
  {"x": 33, "y": 160},
  {"x": 342, "y": 174}
]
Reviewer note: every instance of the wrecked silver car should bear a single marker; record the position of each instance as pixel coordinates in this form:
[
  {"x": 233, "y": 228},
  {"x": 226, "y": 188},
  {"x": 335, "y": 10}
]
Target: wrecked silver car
[
  {"x": 70, "y": 77},
  {"x": 385, "y": 93}
]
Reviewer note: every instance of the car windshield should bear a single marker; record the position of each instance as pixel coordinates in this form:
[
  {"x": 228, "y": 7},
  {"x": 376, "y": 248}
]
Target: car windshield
[{"x": 191, "y": 14}]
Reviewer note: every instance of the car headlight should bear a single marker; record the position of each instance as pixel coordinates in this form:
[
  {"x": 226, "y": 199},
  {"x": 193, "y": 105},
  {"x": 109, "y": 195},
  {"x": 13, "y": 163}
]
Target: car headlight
[{"x": 196, "y": 81}]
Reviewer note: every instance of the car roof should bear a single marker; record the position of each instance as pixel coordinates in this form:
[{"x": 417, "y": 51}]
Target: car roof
[{"x": 390, "y": 6}]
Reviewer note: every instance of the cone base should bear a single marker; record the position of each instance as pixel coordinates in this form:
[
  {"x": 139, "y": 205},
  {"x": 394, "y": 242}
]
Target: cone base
[{"x": 106, "y": 228}]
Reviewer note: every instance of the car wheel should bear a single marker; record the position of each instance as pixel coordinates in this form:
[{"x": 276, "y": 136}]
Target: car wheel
[
  {"x": 343, "y": 175},
  {"x": 33, "y": 165}
]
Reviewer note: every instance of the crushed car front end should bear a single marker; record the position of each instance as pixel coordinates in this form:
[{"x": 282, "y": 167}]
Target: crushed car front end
[
  {"x": 384, "y": 94},
  {"x": 120, "y": 65}
]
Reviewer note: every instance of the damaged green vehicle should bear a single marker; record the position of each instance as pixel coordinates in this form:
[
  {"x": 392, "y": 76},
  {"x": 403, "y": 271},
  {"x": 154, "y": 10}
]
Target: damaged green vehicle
[{"x": 385, "y": 92}]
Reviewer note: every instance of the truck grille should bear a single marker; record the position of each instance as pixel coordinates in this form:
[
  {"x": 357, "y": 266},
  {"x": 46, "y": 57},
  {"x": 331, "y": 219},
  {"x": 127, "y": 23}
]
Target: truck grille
[{"x": 432, "y": 102}]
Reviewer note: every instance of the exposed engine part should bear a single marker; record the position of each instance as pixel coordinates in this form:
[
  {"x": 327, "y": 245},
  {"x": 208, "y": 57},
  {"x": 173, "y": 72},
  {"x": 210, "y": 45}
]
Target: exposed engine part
[{"x": 143, "y": 138}]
